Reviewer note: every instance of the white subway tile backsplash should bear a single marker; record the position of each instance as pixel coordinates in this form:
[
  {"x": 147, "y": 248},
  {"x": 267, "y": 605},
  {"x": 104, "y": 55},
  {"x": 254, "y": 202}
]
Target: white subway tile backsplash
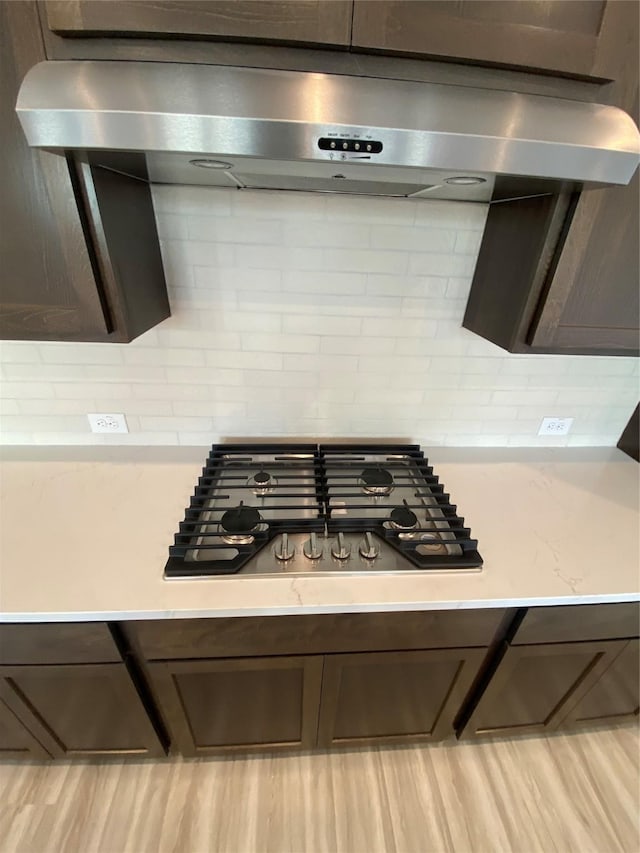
[
  {"x": 218, "y": 229},
  {"x": 257, "y": 342},
  {"x": 324, "y": 282},
  {"x": 329, "y": 234},
  {"x": 441, "y": 264},
  {"x": 416, "y": 239},
  {"x": 344, "y": 345},
  {"x": 19, "y": 353},
  {"x": 309, "y": 315}
]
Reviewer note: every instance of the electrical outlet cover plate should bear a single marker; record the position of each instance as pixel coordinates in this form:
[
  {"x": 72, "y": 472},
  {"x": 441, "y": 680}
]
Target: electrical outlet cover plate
[
  {"x": 109, "y": 423},
  {"x": 555, "y": 426}
]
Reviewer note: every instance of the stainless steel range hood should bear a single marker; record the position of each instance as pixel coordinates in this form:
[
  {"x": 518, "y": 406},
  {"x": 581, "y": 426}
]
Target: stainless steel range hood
[{"x": 242, "y": 127}]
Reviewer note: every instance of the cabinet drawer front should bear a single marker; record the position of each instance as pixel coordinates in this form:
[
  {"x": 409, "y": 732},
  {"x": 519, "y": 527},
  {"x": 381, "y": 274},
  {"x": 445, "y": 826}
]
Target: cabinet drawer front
[
  {"x": 49, "y": 643},
  {"x": 292, "y": 635},
  {"x": 579, "y": 622}
]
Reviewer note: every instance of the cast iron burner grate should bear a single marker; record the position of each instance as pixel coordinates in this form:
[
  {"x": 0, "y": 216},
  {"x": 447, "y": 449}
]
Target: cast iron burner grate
[
  {"x": 247, "y": 494},
  {"x": 416, "y": 517}
]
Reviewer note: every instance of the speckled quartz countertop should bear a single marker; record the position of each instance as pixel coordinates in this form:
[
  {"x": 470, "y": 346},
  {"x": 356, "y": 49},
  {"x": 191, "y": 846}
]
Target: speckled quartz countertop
[{"x": 84, "y": 533}]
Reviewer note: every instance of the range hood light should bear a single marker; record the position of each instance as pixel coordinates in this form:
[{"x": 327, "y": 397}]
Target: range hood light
[
  {"x": 464, "y": 180},
  {"x": 211, "y": 164}
]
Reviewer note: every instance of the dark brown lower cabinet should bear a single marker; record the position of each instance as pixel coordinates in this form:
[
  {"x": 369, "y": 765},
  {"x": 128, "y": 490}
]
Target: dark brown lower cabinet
[
  {"x": 615, "y": 696},
  {"x": 239, "y": 703},
  {"x": 15, "y": 740},
  {"x": 534, "y": 687},
  {"x": 394, "y": 695},
  {"x": 77, "y": 710}
]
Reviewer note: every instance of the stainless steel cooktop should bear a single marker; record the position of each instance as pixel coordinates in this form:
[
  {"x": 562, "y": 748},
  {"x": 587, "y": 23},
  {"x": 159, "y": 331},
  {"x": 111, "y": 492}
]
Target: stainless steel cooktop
[{"x": 273, "y": 509}]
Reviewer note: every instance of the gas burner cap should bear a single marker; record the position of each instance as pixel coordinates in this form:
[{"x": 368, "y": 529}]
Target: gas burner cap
[
  {"x": 262, "y": 483},
  {"x": 240, "y": 519},
  {"x": 377, "y": 481},
  {"x": 403, "y": 518}
]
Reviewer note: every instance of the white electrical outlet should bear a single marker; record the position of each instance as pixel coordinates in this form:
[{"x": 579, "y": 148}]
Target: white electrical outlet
[
  {"x": 555, "y": 426},
  {"x": 107, "y": 423}
]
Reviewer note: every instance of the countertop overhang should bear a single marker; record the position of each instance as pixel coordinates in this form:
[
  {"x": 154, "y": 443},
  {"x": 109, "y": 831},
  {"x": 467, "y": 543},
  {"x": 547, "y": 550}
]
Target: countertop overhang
[{"x": 84, "y": 533}]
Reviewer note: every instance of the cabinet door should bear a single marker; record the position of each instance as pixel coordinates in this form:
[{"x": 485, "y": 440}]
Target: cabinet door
[
  {"x": 80, "y": 710},
  {"x": 534, "y": 686},
  {"x": 15, "y": 740},
  {"x": 593, "y": 296},
  {"x": 78, "y": 245},
  {"x": 48, "y": 288},
  {"x": 394, "y": 696},
  {"x": 305, "y": 21},
  {"x": 559, "y": 36},
  {"x": 244, "y": 703},
  {"x": 616, "y": 694}
]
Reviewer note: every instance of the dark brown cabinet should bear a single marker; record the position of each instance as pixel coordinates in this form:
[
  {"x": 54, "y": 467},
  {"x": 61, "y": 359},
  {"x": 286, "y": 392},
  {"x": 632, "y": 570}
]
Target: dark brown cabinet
[
  {"x": 555, "y": 36},
  {"x": 394, "y": 695},
  {"x": 614, "y": 697},
  {"x": 562, "y": 666},
  {"x": 15, "y": 740},
  {"x": 298, "y": 21},
  {"x": 243, "y": 703},
  {"x": 80, "y": 710},
  {"x": 534, "y": 686},
  {"x": 74, "y": 266},
  {"x": 306, "y": 681},
  {"x": 559, "y": 273}
]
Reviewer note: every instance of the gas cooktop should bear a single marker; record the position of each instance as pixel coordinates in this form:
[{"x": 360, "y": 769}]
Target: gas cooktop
[{"x": 264, "y": 509}]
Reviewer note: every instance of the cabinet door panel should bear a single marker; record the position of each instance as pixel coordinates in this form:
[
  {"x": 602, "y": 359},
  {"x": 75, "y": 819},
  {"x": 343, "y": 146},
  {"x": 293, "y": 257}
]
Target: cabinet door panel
[
  {"x": 615, "y": 696},
  {"x": 15, "y": 740},
  {"x": 48, "y": 286},
  {"x": 394, "y": 695},
  {"x": 239, "y": 704},
  {"x": 558, "y": 36},
  {"x": 534, "y": 685},
  {"x": 263, "y": 20},
  {"x": 79, "y": 709}
]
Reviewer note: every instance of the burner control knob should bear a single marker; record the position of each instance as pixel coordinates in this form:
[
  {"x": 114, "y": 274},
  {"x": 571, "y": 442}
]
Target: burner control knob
[
  {"x": 340, "y": 549},
  {"x": 311, "y": 549},
  {"x": 369, "y": 548},
  {"x": 283, "y": 551}
]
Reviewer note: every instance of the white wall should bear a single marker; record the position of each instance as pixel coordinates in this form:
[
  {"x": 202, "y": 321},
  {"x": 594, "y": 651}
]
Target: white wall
[{"x": 309, "y": 315}]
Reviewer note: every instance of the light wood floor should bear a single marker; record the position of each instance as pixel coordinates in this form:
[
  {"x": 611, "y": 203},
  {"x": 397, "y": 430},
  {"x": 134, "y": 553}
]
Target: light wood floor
[{"x": 562, "y": 793}]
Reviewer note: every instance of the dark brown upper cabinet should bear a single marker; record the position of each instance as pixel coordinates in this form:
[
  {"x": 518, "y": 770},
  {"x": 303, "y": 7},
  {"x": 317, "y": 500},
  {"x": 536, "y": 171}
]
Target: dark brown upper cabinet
[
  {"x": 78, "y": 246},
  {"x": 554, "y": 36},
  {"x": 298, "y": 21},
  {"x": 559, "y": 272}
]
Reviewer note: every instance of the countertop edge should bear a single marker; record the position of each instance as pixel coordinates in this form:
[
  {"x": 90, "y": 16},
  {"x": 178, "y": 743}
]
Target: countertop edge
[{"x": 300, "y": 610}]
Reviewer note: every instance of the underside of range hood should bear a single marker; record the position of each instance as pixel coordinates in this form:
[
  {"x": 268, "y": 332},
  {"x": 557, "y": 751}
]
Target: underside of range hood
[{"x": 242, "y": 127}]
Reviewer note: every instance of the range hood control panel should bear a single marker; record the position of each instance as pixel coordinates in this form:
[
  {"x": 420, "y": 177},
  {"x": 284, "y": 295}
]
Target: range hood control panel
[{"x": 361, "y": 146}]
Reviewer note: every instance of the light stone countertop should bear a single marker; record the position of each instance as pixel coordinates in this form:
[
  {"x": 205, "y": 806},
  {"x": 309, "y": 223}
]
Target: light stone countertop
[{"x": 84, "y": 533}]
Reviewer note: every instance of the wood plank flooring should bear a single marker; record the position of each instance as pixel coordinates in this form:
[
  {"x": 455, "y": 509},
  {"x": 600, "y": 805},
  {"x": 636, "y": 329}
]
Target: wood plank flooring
[{"x": 574, "y": 792}]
